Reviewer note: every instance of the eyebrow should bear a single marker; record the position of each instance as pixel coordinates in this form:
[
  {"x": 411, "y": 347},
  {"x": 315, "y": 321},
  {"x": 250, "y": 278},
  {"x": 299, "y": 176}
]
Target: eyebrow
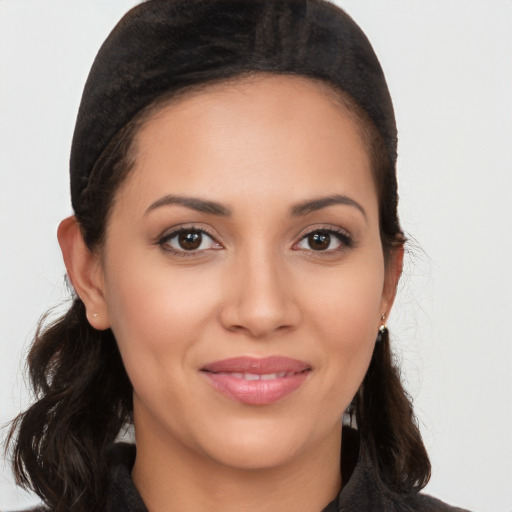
[
  {"x": 214, "y": 208},
  {"x": 323, "y": 202},
  {"x": 194, "y": 203}
]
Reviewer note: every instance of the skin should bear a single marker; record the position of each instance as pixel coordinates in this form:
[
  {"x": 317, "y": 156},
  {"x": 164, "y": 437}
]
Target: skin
[{"x": 259, "y": 147}]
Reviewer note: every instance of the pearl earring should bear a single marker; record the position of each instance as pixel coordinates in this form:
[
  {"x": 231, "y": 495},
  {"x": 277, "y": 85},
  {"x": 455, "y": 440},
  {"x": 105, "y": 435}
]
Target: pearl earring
[{"x": 383, "y": 329}]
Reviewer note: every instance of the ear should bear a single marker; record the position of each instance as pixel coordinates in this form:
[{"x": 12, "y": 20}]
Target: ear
[
  {"x": 84, "y": 271},
  {"x": 393, "y": 271}
]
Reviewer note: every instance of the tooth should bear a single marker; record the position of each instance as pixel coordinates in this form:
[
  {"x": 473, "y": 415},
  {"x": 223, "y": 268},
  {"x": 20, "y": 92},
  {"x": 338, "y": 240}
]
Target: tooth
[
  {"x": 237, "y": 375},
  {"x": 251, "y": 376},
  {"x": 281, "y": 375},
  {"x": 269, "y": 376}
]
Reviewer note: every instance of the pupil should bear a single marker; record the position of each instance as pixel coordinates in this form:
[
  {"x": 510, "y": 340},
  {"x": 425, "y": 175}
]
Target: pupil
[
  {"x": 319, "y": 241},
  {"x": 190, "y": 240}
]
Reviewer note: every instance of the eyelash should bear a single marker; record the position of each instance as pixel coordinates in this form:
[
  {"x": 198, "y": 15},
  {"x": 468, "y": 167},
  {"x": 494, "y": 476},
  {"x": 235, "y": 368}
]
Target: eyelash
[
  {"x": 345, "y": 240},
  {"x": 342, "y": 236},
  {"x": 163, "y": 242}
]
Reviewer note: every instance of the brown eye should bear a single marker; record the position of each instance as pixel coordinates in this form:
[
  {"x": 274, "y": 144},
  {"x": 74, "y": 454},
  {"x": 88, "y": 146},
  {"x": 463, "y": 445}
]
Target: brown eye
[
  {"x": 190, "y": 240},
  {"x": 325, "y": 240},
  {"x": 319, "y": 241}
]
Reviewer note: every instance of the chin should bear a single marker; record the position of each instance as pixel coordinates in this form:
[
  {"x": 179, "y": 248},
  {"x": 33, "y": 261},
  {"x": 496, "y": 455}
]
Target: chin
[
  {"x": 258, "y": 445},
  {"x": 254, "y": 454}
]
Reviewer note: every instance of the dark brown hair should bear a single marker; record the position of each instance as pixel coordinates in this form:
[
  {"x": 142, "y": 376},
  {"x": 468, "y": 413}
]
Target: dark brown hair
[{"x": 83, "y": 394}]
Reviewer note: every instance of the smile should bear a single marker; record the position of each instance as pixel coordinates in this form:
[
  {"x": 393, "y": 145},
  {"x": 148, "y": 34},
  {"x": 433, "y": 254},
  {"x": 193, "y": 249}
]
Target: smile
[
  {"x": 255, "y": 376},
  {"x": 254, "y": 381}
]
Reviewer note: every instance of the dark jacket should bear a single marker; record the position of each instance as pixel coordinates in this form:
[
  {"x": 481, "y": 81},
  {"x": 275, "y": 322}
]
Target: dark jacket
[{"x": 360, "y": 493}]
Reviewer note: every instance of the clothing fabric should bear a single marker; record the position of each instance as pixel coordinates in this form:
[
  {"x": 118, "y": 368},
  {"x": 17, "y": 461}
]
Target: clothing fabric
[{"x": 360, "y": 491}]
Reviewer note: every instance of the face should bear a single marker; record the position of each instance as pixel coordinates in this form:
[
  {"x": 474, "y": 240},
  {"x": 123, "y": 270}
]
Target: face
[{"x": 243, "y": 274}]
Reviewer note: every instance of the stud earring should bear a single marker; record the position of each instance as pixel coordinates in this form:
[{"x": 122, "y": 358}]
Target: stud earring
[{"x": 95, "y": 315}]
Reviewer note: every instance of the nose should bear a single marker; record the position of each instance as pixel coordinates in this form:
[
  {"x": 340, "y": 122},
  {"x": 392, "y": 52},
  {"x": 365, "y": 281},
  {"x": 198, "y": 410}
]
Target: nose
[{"x": 259, "y": 298}]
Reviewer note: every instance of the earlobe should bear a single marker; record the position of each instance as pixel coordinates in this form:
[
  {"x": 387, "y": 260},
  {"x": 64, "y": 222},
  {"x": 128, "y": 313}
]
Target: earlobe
[{"x": 84, "y": 271}]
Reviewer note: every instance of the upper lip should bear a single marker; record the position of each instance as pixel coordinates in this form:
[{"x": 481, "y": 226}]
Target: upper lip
[{"x": 257, "y": 366}]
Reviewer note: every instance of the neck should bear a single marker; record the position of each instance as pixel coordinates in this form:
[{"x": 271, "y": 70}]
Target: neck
[{"x": 171, "y": 477}]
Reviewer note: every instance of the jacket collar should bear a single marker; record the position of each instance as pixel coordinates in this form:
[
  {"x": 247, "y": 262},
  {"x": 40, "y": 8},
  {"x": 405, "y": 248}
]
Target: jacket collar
[{"x": 360, "y": 491}]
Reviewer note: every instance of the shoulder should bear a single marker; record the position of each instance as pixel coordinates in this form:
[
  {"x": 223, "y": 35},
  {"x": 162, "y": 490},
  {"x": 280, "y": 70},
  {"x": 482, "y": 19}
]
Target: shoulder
[
  {"x": 119, "y": 457},
  {"x": 425, "y": 503},
  {"x": 417, "y": 502},
  {"x": 365, "y": 491}
]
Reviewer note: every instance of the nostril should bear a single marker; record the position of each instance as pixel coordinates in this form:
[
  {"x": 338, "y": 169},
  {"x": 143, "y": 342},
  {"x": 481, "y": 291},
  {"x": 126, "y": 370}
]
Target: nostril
[{"x": 259, "y": 301}]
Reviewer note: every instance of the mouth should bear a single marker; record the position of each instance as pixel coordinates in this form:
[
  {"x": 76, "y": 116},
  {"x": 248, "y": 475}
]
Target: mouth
[
  {"x": 256, "y": 376},
  {"x": 257, "y": 381}
]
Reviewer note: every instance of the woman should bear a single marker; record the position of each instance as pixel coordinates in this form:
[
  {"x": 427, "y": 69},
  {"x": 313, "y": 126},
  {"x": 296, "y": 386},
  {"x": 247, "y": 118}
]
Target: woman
[{"x": 235, "y": 252}]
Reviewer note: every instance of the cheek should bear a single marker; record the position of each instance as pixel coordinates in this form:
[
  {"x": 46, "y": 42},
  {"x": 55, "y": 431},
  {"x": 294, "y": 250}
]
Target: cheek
[
  {"x": 161, "y": 319},
  {"x": 347, "y": 301},
  {"x": 345, "y": 312},
  {"x": 156, "y": 312}
]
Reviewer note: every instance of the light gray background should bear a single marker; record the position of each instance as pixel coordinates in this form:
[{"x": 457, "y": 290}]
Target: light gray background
[{"x": 449, "y": 68}]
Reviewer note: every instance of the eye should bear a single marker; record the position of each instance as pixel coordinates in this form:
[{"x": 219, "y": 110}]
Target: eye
[
  {"x": 325, "y": 240},
  {"x": 188, "y": 240}
]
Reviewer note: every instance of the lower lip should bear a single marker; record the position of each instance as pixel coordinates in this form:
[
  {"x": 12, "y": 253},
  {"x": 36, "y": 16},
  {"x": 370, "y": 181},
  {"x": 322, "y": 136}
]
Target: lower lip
[{"x": 256, "y": 392}]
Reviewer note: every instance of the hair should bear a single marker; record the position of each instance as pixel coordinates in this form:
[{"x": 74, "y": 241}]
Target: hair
[{"x": 83, "y": 394}]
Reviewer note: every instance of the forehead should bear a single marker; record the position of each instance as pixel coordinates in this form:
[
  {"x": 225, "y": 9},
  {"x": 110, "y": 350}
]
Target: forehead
[{"x": 286, "y": 133}]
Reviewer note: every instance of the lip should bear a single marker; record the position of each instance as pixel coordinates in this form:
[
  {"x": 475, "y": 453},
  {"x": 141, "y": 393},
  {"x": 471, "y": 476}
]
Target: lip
[{"x": 257, "y": 381}]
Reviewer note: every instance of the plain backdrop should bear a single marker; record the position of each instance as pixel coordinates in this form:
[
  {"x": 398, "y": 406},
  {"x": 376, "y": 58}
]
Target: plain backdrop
[{"x": 449, "y": 68}]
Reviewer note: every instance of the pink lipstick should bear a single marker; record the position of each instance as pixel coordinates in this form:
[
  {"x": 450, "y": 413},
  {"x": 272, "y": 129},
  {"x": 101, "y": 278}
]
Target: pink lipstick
[{"x": 257, "y": 381}]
